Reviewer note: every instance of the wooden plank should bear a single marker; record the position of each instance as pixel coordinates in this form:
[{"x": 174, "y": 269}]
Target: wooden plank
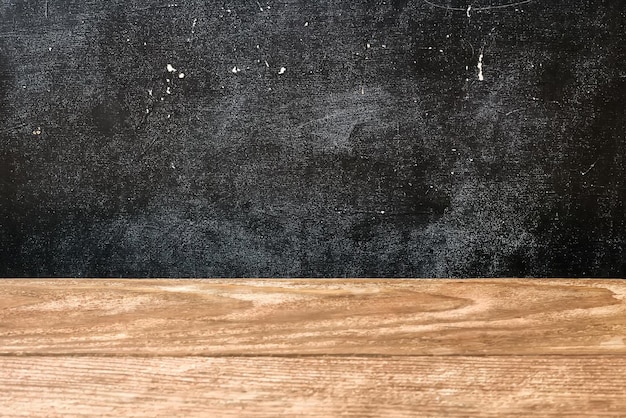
[
  {"x": 330, "y": 317},
  {"x": 448, "y": 386}
]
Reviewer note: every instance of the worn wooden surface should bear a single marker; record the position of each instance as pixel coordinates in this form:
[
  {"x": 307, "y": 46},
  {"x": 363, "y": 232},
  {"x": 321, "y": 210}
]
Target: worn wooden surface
[
  {"x": 262, "y": 317},
  {"x": 313, "y": 347},
  {"x": 448, "y": 386}
]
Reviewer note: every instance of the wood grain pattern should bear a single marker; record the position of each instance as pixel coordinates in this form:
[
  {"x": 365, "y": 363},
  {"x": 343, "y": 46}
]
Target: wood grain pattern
[
  {"x": 357, "y": 348},
  {"x": 346, "y": 317},
  {"x": 446, "y": 386}
]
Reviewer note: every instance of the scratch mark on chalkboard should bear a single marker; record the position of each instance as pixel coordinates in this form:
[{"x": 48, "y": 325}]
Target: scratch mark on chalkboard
[
  {"x": 479, "y": 65},
  {"x": 512, "y": 111},
  {"x": 193, "y": 29},
  {"x": 12, "y": 128},
  {"x": 584, "y": 173},
  {"x": 478, "y": 9},
  {"x": 150, "y": 8},
  {"x": 337, "y": 117},
  {"x": 147, "y": 148}
]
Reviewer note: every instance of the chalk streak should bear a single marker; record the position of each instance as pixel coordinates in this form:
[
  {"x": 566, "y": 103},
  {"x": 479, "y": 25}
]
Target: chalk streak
[
  {"x": 583, "y": 173},
  {"x": 159, "y": 7},
  {"x": 478, "y": 9}
]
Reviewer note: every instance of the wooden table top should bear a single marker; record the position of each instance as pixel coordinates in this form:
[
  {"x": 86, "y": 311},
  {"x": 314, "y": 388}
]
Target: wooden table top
[{"x": 270, "y": 347}]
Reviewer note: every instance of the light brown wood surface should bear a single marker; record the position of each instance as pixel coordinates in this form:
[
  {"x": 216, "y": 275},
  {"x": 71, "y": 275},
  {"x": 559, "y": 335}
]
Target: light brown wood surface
[{"x": 313, "y": 347}]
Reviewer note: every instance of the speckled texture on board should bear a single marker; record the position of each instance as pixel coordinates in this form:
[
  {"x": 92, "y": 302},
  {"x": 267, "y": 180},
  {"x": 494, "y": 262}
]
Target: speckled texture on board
[{"x": 317, "y": 138}]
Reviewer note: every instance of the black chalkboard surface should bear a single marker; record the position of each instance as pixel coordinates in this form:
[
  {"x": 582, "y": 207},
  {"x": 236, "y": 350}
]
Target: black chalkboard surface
[{"x": 398, "y": 138}]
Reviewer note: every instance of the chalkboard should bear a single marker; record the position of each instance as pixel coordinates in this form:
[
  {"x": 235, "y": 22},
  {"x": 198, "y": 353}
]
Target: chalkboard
[{"x": 317, "y": 138}]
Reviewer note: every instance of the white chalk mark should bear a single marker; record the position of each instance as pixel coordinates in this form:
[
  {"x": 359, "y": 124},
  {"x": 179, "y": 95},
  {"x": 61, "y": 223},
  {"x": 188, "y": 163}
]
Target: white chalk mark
[
  {"x": 584, "y": 173},
  {"x": 267, "y": 64},
  {"x": 170, "y": 69},
  {"x": 479, "y": 65},
  {"x": 235, "y": 70},
  {"x": 467, "y": 12},
  {"x": 193, "y": 29},
  {"x": 479, "y": 9},
  {"x": 150, "y": 92},
  {"x": 168, "y": 90},
  {"x": 282, "y": 70},
  {"x": 181, "y": 75},
  {"x": 306, "y": 24}
]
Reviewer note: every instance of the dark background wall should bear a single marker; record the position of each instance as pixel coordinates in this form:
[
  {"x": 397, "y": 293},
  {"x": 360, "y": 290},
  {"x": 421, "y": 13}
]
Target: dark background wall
[{"x": 375, "y": 151}]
